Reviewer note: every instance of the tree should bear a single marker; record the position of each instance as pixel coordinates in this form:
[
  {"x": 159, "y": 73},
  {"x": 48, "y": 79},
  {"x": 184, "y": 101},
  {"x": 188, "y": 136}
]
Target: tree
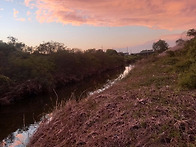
[
  {"x": 180, "y": 42},
  {"x": 50, "y": 47},
  {"x": 91, "y": 51},
  {"x": 191, "y": 33},
  {"x": 111, "y": 52},
  {"x": 12, "y": 40},
  {"x": 160, "y": 46}
]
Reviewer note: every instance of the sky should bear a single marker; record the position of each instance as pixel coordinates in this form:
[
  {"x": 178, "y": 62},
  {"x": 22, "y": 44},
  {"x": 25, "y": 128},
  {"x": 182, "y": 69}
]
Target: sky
[{"x": 85, "y": 24}]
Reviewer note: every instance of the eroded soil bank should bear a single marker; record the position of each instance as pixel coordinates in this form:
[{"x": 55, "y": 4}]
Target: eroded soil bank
[{"x": 145, "y": 109}]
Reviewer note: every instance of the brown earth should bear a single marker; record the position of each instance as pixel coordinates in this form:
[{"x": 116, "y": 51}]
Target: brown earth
[{"x": 144, "y": 109}]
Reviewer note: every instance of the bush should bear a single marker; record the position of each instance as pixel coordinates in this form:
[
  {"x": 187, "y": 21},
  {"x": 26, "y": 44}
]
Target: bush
[
  {"x": 170, "y": 53},
  {"x": 5, "y": 82},
  {"x": 52, "y": 64},
  {"x": 192, "y": 50},
  {"x": 171, "y": 61},
  {"x": 187, "y": 67},
  {"x": 183, "y": 65},
  {"x": 188, "y": 80}
]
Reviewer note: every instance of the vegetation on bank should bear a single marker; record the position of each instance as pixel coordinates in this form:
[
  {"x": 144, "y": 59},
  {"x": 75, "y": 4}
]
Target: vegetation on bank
[
  {"x": 25, "y": 72},
  {"x": 153, "y": 106},
  {"x": 186, "y": 67},
  {"x": 180, "y": 64}
]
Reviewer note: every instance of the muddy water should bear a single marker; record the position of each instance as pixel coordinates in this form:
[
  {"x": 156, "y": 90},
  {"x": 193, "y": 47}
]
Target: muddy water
[{"x": 18, "y": 122}]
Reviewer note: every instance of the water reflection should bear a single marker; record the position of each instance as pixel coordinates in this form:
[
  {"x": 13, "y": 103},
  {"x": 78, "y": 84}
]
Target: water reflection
[
  {"x": 111, "y": 82},
  {"x": 25, "y": 116}
]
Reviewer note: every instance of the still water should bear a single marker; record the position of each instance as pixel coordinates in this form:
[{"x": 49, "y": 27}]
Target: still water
[{"x": 18, "y": 122}]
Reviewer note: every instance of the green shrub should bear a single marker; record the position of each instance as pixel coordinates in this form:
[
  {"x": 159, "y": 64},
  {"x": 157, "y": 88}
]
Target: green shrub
[
  {"x": 170, "y": 53},
  {"x": 5, "y": 82},
  {"x": 188, "y": 80},
  {"x": 183, "y": 65},
  {"x": 187, "y": 66},
  {"x": 171, "y": 61}
]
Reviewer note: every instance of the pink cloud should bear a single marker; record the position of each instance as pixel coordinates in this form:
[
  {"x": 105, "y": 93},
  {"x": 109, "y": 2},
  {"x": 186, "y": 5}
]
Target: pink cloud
[
  {"x": 28, "y": 13},
  {"x": 27, "y": 2},
  {"x": 15, "y": 14},
  {"x": 168, "y": 14}
]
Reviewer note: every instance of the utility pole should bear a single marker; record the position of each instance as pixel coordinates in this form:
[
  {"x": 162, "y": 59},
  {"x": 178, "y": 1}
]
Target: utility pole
[{"x": 127, "y": 50}]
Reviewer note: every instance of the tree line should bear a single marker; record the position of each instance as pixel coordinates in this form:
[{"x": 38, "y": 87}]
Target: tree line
[{"x": 25, "y": 71}]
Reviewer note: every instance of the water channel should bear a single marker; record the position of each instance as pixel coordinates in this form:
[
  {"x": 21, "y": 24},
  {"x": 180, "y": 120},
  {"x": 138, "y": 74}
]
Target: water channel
[{"x": 19, "y": 121}]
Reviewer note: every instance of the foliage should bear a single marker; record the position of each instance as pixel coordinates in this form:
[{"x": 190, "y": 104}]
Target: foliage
[
  {"x": 180, "y": 42},
  {"x": 171, "y": 53},
  {"x": 160, "y": 46},
  {"x": 183, "y": 62},
  {"x": 191, "y": 33},
  {"x": 111, "y": 52},
  {"x": 130, "y": 59},
  {"x": 176, "y": 68},
  {"x": 51, "y": 64},
  {"x": 187, "y": 78},
  {"x": 5, "y": 82},
  {"x": 50, "y": 47},
  {"x": 14, "y": 42}
]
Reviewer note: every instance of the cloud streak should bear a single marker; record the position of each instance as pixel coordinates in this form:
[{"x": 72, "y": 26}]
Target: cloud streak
[
  {"x": 167, "y": 14},
  {"x": 15, "y": 15}
]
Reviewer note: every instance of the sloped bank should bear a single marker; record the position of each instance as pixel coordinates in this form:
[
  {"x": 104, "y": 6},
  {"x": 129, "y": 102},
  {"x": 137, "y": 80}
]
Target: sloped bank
[
  {"x": 131, "y": 119},
  {"x": 145, "y": 109}
]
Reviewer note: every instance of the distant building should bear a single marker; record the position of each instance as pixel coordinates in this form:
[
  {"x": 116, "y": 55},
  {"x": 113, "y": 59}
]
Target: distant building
[
  {"x": 146, "y": 52},
  {"x": 126, "y": 54}
]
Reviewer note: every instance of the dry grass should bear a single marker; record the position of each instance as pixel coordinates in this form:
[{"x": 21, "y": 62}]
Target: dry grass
[{"x": 144, "y": 109}]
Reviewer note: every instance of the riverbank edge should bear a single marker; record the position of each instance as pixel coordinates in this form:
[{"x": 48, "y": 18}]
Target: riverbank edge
[
  {"x": 32, "y": 87},
  {"x": 144, "y": 109}
]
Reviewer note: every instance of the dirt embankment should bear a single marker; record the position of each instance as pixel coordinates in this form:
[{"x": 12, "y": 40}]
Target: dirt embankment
[{"x": 144, "y": 109}]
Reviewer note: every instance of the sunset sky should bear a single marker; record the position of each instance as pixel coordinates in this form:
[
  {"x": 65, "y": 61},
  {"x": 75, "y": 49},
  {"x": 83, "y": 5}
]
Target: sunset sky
[{"x": 85, "y": 24}]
